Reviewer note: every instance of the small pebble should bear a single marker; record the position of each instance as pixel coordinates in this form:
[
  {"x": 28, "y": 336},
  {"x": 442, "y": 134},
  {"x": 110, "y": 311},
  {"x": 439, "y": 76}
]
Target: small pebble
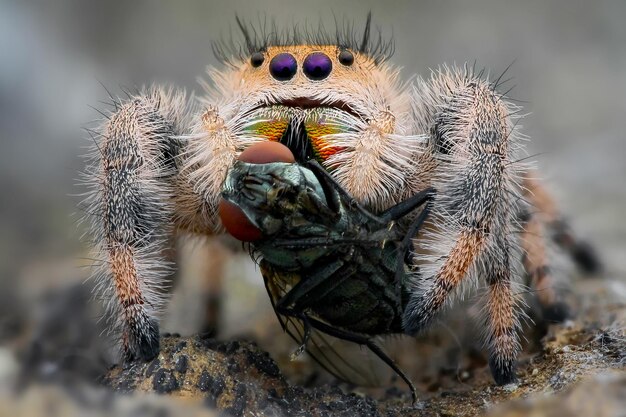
[
  {"x": 182, "y": 364},
  {"x": 164, "y": 381},
  {"x": 510, "y": 387}
]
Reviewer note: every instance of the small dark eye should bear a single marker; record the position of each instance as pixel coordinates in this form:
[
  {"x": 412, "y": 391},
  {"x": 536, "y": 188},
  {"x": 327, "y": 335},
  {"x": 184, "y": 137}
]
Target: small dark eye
[
  {"x": 317, "y": 66},
  {"x": 346, "y": 57},
  {"x": 283, "y": 67},
  {"x": 256, "y": 60}
]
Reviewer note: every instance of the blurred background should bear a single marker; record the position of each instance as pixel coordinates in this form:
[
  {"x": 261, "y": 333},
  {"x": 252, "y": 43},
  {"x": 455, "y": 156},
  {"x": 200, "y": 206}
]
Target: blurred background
[{"x": 55, "y": 56}]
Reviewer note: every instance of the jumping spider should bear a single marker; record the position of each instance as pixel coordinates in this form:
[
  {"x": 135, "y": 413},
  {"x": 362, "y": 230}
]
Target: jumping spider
[{"x": 161, "y": 160}]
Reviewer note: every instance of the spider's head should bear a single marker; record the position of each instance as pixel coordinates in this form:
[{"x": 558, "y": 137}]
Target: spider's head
[
  {"x": 307, "y": 96},
  {"x": 333, "y": 98},
  {"x": 308, "y": 90},
  {"x": 309, "y": 76}
]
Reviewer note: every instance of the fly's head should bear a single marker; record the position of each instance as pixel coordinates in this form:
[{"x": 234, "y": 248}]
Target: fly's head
[{"x": 280, "y": 198}]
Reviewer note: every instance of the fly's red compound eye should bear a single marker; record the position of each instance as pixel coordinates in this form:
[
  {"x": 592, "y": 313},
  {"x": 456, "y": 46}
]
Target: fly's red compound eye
[{"x": 233, "y": 218}]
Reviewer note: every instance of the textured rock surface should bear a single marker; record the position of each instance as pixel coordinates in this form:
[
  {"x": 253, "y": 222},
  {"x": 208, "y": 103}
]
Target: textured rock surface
[{"x": 240, "y": 379}]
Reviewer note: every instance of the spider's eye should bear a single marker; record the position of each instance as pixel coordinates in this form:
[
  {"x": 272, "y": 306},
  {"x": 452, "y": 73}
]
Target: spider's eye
[
  {"x": 256, "y": 60},
  {"x": 317, "y": 66},
  {"x": 346, "y": 57},
  {"x": 283, "y": 67}
]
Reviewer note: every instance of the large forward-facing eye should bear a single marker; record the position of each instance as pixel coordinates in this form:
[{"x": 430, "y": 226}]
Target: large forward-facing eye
[
  {"x": 283, "y": 66},
  {"x": 317, "y": 66}
]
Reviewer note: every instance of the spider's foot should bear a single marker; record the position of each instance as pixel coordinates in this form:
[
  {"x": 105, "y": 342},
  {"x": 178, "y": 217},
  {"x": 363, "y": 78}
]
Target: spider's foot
[
  {"x": 556, "y": 312},
  {"x": 586, "y": 258},
  {"x": 503, "y": 371},
  {"x": 143, "y": 344},
  {"x": 416, "y": 317}
]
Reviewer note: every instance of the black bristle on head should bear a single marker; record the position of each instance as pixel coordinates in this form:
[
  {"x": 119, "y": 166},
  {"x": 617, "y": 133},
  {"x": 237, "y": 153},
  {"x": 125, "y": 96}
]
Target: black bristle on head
[
  {"x": 261, "y": 35},
  {"x": 366, "y": 33},
  {"x": 246, "y": 34}
]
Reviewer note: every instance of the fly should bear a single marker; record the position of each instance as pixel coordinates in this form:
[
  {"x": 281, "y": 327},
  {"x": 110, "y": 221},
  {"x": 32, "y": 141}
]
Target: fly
[{"x": 328, "y": 262}]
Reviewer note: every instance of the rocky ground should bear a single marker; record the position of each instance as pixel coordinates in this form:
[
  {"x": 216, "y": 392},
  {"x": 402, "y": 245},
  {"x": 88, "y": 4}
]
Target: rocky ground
[
  {"x": 53, "y": 359},
  {"x": 578, "y": 368},
  {"x": 578, "y": 365}
]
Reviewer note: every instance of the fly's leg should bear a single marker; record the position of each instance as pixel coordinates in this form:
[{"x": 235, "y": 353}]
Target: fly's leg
[
  {"x": 400, "y": 210},
  {"x": 327, "y": 181},
  {"x": 393, "y": 213},
  {"x": 369, "y": 343},
  {"x": 472, "y": 140},
  {"x": 305, "y": 337},
  {"x": 404, "y": 250},
  {"x": 303, "y": 294},
  {"x": 307, "y": 293}
]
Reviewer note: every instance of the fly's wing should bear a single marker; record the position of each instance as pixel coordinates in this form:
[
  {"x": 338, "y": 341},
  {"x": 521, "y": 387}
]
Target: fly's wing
[{"x": 346, "y": 360}]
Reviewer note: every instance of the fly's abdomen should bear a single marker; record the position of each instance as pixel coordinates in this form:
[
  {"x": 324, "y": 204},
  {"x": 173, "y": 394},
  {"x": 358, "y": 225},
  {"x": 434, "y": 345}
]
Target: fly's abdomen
[{"x": 366, "y": 301}]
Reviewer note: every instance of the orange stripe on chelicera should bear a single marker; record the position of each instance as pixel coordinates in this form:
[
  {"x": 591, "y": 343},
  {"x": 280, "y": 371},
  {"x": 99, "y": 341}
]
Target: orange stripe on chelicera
[
  {"x": 272, "y": 130},
  {"x": 316, "y": 132},
  {"x": 317, "y": 129}
]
